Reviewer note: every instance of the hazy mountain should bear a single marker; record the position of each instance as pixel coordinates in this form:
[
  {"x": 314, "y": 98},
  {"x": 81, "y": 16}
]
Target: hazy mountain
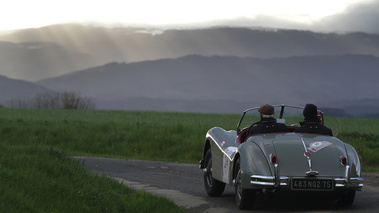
[
  {"x": 35, "y": 54},
  {"x": 35, "y": 60},
  {"x": 228, "y": 81},
  {"x": 217, "y": 69},
  {"x": 11, "y": 89}
]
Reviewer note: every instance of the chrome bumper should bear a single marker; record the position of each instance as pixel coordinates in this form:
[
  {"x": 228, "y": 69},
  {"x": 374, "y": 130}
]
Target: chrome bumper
[
  {"x": 352, "y": 183},
  {"x": 283, "y": 181},
  {"x": 260, "y": 180},
  {"x": 276, "y": 181}
]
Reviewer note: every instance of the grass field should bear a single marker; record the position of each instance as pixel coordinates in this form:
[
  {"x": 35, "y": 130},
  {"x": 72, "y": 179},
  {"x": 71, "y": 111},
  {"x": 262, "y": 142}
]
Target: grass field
[
  {"x": 161, "y": 136},
  {"x": 35, "y": 145},
  {"x": 137, "y": 135},
  {"x": 34, "y": 178}
]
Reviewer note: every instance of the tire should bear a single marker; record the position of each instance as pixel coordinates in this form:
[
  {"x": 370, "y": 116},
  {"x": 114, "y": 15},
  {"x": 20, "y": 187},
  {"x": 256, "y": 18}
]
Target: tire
[
  {"x": 245, "y": 198},
  {"x": 213, "y": 187},
  {"x": 347, "y": 198}
]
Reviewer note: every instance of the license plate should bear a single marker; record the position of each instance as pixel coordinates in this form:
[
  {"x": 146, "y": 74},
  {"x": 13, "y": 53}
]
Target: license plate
[{"x": 312, "y": 184}]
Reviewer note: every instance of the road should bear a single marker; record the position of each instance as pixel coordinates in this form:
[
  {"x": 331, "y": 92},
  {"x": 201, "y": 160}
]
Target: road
[{"x": 183, "y": 183}]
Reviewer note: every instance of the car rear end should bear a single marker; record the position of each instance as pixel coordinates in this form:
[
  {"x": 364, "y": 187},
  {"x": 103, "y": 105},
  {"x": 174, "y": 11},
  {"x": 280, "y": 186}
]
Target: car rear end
[{"x": 304, "y": 163}]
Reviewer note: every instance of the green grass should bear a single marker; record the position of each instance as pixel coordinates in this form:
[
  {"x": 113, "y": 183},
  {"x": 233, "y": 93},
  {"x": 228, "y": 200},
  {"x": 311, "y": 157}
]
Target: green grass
[
  {"x": 37, "y": 174},
  {"x": 137, "y": 135},
  {"x": 161, "y": 136},
  {"x": 34, "y": 178}
]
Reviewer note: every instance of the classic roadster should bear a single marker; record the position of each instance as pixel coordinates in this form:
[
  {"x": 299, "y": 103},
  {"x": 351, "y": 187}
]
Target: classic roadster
[{"x": 279, "y": 161}]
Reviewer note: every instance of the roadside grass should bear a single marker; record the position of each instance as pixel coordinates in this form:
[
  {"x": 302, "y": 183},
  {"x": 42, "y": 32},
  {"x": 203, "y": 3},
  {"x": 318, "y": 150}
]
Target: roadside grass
[
  {"x": 37, "y": 174},
  {"x": 35, "y": 178}
]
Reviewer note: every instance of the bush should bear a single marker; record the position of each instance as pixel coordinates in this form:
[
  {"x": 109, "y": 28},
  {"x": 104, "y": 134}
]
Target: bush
[{"x": 54, "y": 100}]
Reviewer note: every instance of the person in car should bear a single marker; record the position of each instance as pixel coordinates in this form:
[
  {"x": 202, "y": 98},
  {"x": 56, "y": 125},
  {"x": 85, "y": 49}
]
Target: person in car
[
  {"x": 312, "y": 123},
  {"x": 268, "y": 123}
]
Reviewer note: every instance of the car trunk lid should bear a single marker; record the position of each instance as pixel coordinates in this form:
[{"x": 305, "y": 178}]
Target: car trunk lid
[{"x": 298, "y": 154}]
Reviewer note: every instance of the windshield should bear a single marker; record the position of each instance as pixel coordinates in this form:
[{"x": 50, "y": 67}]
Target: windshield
[{"x": 251, "y": 115}]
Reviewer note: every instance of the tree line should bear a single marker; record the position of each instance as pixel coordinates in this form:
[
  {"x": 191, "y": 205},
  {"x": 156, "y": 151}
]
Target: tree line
[{"x": 53, "y": 100}]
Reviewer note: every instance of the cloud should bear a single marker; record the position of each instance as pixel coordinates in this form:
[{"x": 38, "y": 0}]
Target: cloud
[
  {"x": 360, "y": 17},
  {"x": 348, "y": 15}
]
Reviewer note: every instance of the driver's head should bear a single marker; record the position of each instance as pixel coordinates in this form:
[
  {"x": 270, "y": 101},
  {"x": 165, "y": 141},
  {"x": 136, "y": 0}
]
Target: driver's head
[
  {"x": 266, "y": 110},
  {"x": 310, "y": 112}
]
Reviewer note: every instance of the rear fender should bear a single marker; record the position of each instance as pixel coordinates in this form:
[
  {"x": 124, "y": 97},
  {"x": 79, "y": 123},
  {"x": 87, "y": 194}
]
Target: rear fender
[
  {"x": 222, "y": 145},
  {"x": 253, "y": 162},
  {"x": 207, "y": 146},
  {"x": 353, "y": 161}
]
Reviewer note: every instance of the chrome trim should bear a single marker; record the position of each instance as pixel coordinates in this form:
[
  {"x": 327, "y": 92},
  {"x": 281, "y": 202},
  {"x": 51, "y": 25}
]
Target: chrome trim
[
  {"x": 269, "y": 180},
  {"x": 312, "y": 173},
  {"x": 355, "y": 183},
  {"x": 347, "y": 173},
  {"x": 261, "y": 177},
  {"x": 284, "y": 181},
  {"x": 348, "y": 181},
  {"x": 262, "y": 180},
  {"x": 276, "y": 175},
  {"x": 262, "y": 183},
  {"x": 351, "y": 183},
  {"x": 339, "y": 182},
  {"x": 305, "y": 152}
]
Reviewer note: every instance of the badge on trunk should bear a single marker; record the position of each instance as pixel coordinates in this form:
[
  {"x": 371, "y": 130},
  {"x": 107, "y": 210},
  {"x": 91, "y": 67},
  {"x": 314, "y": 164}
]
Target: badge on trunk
[{"x": 318, "y": 145}]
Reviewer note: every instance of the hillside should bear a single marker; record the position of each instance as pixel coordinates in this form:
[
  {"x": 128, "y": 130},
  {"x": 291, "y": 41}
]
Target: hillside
[
  {"x": 218, "y": 69},
  {"x": 11, "y": 89},
  {"x": 227, "y": 82},
  {"x": 35, "y": 60},
  {"x": 35, "y": 54}
]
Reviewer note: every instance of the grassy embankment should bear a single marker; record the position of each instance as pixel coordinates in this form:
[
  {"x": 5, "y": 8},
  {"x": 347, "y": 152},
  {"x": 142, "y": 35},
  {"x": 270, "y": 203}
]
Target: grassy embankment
[
  {"x": 37, "y": 174},
  {"x": 35, "y": 145}
]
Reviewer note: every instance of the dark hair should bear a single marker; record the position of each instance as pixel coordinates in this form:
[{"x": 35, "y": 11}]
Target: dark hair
[{"x": 310, "y": 112}]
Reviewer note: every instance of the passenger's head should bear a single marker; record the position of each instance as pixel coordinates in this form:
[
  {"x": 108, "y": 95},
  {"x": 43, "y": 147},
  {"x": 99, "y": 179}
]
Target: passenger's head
[
  {"x": 266, "y": 111},
  {"x": 310, "y": 112}
]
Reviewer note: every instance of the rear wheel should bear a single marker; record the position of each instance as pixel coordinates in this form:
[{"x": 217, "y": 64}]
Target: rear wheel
[
  {"x": 245, "y": 198},
  {"x": 347, "y": 198},
  {"x": 213, "y": 187}
]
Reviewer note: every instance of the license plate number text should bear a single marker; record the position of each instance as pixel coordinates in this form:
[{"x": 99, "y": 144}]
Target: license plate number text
[{"x": 304, "y": 184}]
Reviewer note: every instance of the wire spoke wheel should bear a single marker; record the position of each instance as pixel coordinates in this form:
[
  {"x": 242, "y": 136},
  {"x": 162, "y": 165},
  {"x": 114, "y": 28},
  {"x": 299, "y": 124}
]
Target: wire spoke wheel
[
  {"x": 213, "y": 187},
  {"x": 208, "y": 173},
  {"x": 245, "y": 198}
]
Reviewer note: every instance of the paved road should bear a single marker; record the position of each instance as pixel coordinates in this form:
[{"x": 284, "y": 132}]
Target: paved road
[{"x": 183, "y": 184}]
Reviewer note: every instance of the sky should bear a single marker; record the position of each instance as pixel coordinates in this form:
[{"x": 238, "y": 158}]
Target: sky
[{"x": 315, "y": 15}]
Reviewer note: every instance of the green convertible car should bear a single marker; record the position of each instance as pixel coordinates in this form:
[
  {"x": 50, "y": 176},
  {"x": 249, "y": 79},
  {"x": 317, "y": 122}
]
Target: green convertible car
[{"x": 285, "y": 161}]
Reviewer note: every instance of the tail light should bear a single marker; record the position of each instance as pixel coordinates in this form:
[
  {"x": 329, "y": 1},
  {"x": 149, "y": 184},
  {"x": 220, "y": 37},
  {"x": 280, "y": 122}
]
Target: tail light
[
  {"x": 273, "y": 158},
  {"x": 343, "y": 160}
]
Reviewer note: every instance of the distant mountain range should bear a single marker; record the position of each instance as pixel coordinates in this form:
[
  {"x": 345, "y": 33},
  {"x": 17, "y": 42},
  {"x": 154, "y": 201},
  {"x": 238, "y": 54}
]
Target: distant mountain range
[
  {"x": 199, "y": 79},
  {"x": 201, "y": 70},
  {"x": 36, "y": 54}
]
